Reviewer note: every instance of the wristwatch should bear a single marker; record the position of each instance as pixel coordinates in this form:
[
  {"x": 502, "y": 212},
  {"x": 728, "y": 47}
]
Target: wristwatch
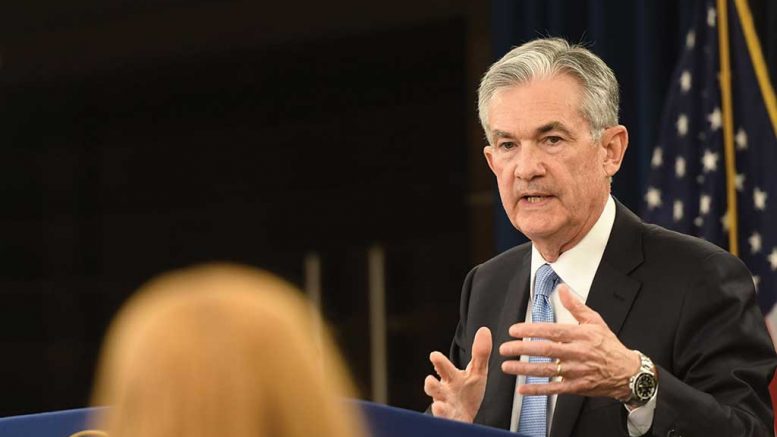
[{"x": 644, "y": 383}]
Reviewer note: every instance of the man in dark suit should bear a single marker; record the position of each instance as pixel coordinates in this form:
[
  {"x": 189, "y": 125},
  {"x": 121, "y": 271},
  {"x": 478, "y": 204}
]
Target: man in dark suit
[{"x": 604, "y": 325}]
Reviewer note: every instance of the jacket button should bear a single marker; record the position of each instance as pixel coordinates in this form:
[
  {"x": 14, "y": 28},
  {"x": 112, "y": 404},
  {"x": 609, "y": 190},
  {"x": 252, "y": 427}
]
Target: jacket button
[{"x": 673, "y": 433}]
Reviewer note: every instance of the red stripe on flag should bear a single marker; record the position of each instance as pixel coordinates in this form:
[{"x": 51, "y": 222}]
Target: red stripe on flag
[
  {"x": 773, "y": 392},
  {"x": 773, "y": 384}
]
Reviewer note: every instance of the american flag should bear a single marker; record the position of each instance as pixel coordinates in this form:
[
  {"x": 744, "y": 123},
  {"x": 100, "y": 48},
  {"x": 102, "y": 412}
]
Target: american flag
[{"x": 687, "y": 186}]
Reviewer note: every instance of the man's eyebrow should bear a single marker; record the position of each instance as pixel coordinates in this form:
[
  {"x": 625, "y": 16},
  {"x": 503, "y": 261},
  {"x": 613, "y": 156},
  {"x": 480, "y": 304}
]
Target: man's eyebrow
[
  {"x": 501, "y": 134},
  {"x": 553, "y": 125}
]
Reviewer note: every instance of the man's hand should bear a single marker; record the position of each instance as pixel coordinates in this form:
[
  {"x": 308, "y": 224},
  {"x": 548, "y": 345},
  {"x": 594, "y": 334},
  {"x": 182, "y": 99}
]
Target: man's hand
[
  {"x": 458, "y": 393},
  {"x": 593, "y": 361}
]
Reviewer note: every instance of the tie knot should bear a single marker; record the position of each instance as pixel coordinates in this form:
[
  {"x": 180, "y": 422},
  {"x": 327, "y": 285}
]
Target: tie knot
[{"x": 545, "y": 280}]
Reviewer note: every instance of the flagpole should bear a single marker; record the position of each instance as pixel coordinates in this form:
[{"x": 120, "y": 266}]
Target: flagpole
[
  {"x": 728, "y": 126},
  {"x": 759, "y": 65}
]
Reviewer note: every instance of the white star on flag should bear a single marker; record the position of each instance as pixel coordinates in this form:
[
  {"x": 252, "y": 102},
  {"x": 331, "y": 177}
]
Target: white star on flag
[
  {"x": 711, "y": 15},
  {"x": 759, "y": 198},
  {"x": 709, "y": 161},
  {"x": 679, "y": 167},
  {"x": 715, "y": 119},
  {"x": 773, "y": 258},
  {"x": 724, "y": 221},
  {"x": 690, "y": 40},
  {"x": 658, "y": 158},
  {"x": 682, "y": 125},
  {"x": 653, "y": 197},
  {"x": 755, "y": 242},
  {"x": 704, "y": 204},
  {"x": 677, "y": 210},
  {"x": 739, "y": 182},
  {"x": 756, "y": 282},
  {"x": 685, "y": 81},
  {"x": 741, "y": 139}
]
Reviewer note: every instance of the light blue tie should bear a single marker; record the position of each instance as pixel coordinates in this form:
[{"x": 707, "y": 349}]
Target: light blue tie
[{"x": 534, "y": 409}]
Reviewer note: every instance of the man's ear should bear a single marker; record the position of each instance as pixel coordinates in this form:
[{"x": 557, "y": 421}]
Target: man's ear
[
  {"x": 615, "y": 140},
  {"x": 488, "y": 151}
]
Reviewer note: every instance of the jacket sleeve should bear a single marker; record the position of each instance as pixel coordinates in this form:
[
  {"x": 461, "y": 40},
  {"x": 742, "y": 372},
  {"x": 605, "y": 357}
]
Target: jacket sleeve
[
  {"x": 723, "y": 360},
  {"x": 461, "y": 354}
]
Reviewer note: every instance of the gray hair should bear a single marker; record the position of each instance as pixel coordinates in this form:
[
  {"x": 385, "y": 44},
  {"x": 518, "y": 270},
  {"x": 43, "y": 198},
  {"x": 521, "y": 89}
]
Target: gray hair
[{"x": 545, "y": 58}]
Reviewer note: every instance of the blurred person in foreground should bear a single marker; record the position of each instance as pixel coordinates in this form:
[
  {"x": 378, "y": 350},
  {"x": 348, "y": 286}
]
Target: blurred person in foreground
[
  {"x": 221, "y": 350},
  {"x": 602, "y": 325}
]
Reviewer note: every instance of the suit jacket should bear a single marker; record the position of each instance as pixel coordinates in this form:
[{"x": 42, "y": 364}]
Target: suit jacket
[{"x": 687, "y": 304}]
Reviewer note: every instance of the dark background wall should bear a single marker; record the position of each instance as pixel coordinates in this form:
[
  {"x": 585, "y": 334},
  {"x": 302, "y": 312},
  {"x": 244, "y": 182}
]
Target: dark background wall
[{"x": 140, "y": 136}]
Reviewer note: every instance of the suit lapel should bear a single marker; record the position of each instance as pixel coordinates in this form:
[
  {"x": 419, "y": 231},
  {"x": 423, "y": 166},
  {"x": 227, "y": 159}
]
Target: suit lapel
[
  {"x": 517, "y": 298},
  {"x": 612, "y": 293}
]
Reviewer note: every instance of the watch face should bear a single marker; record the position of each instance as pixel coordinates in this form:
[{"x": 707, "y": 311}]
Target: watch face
[{"x": 644, "y": 386}]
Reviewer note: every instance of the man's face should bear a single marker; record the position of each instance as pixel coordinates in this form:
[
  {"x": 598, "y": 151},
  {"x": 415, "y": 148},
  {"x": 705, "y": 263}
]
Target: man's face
[{"x": 552, "y": 177}]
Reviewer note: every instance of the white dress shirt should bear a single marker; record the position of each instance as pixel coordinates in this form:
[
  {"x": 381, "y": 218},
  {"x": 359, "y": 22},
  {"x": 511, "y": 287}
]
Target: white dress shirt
[{"x": 576, "y": 267}]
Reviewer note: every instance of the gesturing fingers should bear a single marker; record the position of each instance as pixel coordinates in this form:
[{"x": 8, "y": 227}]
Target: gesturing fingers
[
  {"x": 559, "y": 332},
  {"x": 550, "y": 369},
  {"x": 433, "y": 388},
  {"x": 546, "y": 389},
  {"x": 550, "y": 349},
  {"x": 458, "y": 393},
  {"x": 576, "y": 386},
  {"x": 578, "y": 309},
  {"x": 443, "y": 366},
  {"x": 440, "y": 409}
]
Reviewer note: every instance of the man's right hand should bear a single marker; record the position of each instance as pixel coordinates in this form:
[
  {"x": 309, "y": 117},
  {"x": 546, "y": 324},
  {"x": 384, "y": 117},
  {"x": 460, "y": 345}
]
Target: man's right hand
[{"x": 457, "y": 395}]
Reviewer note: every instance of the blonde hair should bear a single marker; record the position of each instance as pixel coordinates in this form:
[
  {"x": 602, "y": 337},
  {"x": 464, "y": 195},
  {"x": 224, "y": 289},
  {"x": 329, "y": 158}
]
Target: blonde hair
[{"x": 222, "y": 350}]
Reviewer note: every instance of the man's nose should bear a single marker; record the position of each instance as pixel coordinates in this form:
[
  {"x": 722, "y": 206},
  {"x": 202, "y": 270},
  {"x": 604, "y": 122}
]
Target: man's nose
[{"x": 529, "y": 163}]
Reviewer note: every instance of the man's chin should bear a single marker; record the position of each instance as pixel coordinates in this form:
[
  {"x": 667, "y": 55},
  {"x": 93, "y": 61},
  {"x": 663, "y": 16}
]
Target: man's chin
[{"x": 536, "y": 230}]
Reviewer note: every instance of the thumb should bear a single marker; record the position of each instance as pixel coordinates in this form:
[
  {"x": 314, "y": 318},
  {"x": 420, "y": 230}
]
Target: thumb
[
  {"x": 481, "y": 351},
  {"x": 578, "y": 309}
]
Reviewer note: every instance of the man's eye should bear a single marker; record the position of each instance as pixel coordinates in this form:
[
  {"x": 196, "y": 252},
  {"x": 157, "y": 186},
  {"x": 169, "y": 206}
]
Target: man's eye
[
  {"x": 507, "y": 145},
  {"x": 553, "y": 140}
]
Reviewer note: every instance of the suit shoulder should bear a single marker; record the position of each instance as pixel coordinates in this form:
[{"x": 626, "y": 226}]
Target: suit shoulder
[{"x": 675, "y": 245}]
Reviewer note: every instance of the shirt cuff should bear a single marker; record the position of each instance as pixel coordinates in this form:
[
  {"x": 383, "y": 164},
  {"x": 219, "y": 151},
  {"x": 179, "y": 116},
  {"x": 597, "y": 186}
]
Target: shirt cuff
[{"x": 641, "y": 418}]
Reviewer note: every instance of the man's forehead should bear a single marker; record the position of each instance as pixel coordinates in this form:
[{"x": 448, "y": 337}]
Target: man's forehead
[
  {"x": 553, "y": 96},
  {"x": 538, "y": 106}
]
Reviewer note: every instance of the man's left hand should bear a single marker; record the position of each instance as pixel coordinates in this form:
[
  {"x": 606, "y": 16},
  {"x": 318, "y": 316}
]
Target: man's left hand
[{"x": 593, "y": 362}]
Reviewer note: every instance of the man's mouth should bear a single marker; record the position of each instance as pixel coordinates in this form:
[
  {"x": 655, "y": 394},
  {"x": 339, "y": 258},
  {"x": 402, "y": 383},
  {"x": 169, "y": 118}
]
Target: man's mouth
[{"x": 535, "y": 198}]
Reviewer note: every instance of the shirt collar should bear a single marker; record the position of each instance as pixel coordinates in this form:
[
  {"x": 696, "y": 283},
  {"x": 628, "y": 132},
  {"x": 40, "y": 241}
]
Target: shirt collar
[{"x": 577, "y": 266}]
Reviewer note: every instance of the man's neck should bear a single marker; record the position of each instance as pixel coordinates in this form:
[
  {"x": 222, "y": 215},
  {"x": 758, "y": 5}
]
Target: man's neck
[{"x": 551, "y": 248}]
